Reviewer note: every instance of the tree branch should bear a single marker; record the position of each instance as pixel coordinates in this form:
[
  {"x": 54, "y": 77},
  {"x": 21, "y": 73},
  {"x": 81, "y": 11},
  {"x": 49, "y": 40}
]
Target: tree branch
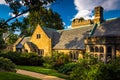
[{"x": 16, "y": 16}]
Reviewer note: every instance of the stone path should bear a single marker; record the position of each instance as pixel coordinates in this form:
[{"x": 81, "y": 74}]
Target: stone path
[{"x": 37, "y": 75}]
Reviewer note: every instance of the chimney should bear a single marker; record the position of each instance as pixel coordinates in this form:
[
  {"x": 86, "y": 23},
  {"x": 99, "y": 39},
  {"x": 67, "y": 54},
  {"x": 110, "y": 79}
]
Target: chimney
[{"x": 98, "y": 13}]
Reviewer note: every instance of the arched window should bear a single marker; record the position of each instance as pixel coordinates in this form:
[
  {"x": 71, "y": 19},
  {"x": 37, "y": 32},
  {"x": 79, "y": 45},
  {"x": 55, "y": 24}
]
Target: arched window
[
  {"x": 96, "y": 49},
  {"x": 101, "y": 49},
  {"x": 91, "y": 49}
]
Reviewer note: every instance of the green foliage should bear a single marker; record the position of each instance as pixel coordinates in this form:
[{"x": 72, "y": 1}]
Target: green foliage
[
  {"x": 23, "y": 58},
  {"x": 43, "y": 70},
  {"x": 6, "y": 65},
  {"x": 29, "y": 5},
  {"x": 48, "y": 62},
  {"x": 88, "y": 69},
  {"x": 67, "y": 68},
  {"x": 46, "y": 18},
  {"x": 59, "y": 58},
  {"x": 12, "y": 38},
  {"x": 14, "y": 76},
  {"x": 56, "y": 60},
  {"x": 3, "y": 28}
]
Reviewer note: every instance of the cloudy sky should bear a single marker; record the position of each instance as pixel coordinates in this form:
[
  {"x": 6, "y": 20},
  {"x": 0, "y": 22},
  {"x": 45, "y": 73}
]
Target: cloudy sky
[{"x": 70, "y": 9}]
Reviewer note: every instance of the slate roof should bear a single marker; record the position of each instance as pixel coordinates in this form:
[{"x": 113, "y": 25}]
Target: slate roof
[
  {"x": 108, "y": 28},
  {"x": 32, "y": 47},
  {"x": 73, "y": 38},
  {"x": 53, "y": 34},
  {"x": 23, "y": 41}
]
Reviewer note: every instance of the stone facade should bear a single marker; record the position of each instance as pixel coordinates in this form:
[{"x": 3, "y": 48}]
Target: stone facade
[
  {"x": 98, "y": 18},
  {"x": 102, "y": 47},
  {"x": 42, "y": 41},
  {"x": 97, "y": 37}
]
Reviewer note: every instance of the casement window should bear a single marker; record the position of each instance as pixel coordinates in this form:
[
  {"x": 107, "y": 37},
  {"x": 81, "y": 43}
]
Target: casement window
[
  {"x": 40, "y": 52},
  {"x": 96, "y": 49},
  {"x": 38, "y": 36},
  {"x": 74, "y": 55},
  {"x": 101, "y": 49},
  {"x": 91, "y": 49}
]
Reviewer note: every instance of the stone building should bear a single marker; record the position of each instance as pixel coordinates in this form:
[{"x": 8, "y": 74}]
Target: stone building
[
  {"x": 104, "y": 43},
  {"x": 97, "y": 37}
]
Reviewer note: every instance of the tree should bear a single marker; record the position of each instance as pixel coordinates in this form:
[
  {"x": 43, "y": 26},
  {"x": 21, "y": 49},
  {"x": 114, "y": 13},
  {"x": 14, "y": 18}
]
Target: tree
[
  {"x": 20, "y": 7},
  {"x": 12, "y": 38},
  {"x": 38, "y": 14},
  {"x": 46, "y": 18},
  {"x": 3, "y": 29}
]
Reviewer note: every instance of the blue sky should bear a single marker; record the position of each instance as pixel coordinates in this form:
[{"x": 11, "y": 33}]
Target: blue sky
[{"x": 70, "y": 9}]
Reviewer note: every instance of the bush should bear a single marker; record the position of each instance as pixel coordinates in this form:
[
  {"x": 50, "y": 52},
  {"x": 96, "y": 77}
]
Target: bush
[
  {"x": 31, "y": 59},
  {"x": 48, "y": 62},
  {"x": 67, "y": 68},
  {"x": 59, "y": 58},
  {"x": 6, "y": 65},
  {"x": 56, "y": 60},
  {"x": 87, "y": 69}
]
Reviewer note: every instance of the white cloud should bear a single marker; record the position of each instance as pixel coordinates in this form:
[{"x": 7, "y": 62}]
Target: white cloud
[
  {"x": 2, "y": 2},
  {"x": 24, "y": 15},
  {"x": 68, "y": 27},
  {"x": 85, "y": 7},
  {"x": 11, "y": 14}
]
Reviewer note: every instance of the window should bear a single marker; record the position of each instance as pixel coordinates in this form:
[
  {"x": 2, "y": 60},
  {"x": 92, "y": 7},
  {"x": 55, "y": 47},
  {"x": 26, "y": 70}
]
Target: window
[
  {"x": 109, "y": 49},
  {"x": 91, "y": 49},
  {"x": 96, "y": 49},
  {"x": 109, "y": 52},
  {"x": 38, "y": 36},
  {"x": 101, "y": 49},
  {"x": 73, "y": 55},
  {"x": 40, "y": 52}
]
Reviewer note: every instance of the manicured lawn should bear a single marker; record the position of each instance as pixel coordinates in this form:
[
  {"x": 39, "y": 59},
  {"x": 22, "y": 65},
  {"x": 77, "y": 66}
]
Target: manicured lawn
[
  {"x": 14, "y": 76},
  {"x": 43, "y": 71}
]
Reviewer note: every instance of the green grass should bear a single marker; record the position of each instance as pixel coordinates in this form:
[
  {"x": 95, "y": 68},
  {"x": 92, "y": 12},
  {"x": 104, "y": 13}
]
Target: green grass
[
  {"x": 14, "y": 76},
  {"x": 43, "y": 71}
]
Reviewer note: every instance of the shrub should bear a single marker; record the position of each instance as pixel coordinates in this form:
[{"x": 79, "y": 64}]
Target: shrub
[
  {"x": 59, "y": 58},
  {"x": 6, "y": 65},
  {"x": 87, "y": 69},
  {"x": 56, "y": 60},
  {"x": 48, "y": 62},
  {"x": 67, "y": 68},
  {"x": 24, "y": 58}
]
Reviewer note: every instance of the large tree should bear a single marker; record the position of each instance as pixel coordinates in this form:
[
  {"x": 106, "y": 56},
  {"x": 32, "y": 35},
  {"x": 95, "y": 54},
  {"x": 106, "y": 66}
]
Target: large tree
[
  {"x": 20, "y": 7},
  {"x": 3, "y": 29},
  {"x": 38, "y": 14}
]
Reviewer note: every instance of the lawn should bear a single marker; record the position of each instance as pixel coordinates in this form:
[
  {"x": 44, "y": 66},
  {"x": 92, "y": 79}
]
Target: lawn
[
  {"x": 43, "y": 71},
  {"x": 14, "y": 76}
]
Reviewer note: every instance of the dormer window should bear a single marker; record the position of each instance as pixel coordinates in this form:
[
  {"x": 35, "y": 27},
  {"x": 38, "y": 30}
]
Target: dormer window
[{"x": 38, "y": 36}]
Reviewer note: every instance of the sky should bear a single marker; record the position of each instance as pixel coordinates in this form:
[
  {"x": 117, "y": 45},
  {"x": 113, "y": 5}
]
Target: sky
[{"x": 70, "y": 9}]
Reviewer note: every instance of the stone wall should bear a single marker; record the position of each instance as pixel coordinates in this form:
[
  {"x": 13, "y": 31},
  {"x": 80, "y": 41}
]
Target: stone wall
[{"x": 43, "y": 42}]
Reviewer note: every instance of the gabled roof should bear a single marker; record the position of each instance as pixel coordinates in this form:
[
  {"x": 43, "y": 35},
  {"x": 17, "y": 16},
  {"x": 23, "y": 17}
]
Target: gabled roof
[
  {"x": 108, "y": 28},
  {"x": 22, "y": 42},
  {"x": 32, "y": 47},
  {"x": 52, "y": 34},
  {"x": 73, "y": 38}
]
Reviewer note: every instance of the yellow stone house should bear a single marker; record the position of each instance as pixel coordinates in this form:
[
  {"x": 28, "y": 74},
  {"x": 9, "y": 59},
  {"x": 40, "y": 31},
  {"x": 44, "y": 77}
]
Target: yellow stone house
[{"x": 84, "y": 36}]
